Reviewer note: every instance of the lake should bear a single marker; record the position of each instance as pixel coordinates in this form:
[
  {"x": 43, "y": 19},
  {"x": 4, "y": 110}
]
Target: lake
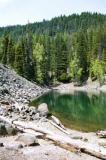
[{"x": 79, "y": 110}]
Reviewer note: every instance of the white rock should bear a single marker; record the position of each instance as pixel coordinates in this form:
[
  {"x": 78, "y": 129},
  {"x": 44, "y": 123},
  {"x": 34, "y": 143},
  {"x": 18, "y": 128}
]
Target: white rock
[
  {"x": 43, "y": 109},
  {"x": 27, "y": 139}
]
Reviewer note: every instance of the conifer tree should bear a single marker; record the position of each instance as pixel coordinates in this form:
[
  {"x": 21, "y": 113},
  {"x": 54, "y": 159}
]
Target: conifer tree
[
  {"x": 19, "y": 58},
  {"x": 10, "y": 52},
  {"x": 28, "y": 56},
  {"x": 5, "y": 42}
]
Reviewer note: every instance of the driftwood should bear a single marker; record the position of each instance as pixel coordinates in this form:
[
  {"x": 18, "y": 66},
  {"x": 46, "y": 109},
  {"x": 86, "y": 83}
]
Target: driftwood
[
  {"x": 59, "y": 127},
  {"x": 63, "y": 141},
  {"x": 101, "y": 134},
  {"x": 57, "y": 121}
]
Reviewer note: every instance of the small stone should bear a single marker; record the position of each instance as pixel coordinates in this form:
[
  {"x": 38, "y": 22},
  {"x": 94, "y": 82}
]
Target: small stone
[
  {"x": 77, "y": 137},
  {"x": 85, "y": 140},
  {"x": 32, "y": 108},
  {"x": 14, "y": 146},
  {"x": 5, "y": 102},
  {"x": 29, "y": 118},
  {"x": 9, "y": 109},
  {"x": 27, "y": 139},
  {"x": 1, "y": 145},
  {"x": 23, "y": 116},
  {"x": 36, "y": 116},
  {"x": 5, "y": 113}
]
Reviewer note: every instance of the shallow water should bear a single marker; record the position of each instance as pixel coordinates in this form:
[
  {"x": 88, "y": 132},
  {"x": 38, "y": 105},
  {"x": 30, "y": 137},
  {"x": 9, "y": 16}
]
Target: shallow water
[{"x": 81, "y": 111}]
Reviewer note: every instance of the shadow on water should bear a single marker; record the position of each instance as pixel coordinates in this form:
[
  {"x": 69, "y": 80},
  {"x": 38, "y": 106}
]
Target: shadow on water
[{"x": 81, "y": 110}]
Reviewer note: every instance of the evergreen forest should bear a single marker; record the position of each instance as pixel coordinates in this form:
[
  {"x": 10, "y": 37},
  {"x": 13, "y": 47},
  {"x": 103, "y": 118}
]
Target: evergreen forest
[{"x": 64, "y": 49}]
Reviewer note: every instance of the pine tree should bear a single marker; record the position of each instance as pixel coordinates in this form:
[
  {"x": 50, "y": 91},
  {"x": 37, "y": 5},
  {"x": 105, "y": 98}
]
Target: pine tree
[
  {"x": 19, "y": 58},
  {"x": 28, "y": 56},
  {"x": 5, "y": 42},
  {"x": 10, "y": 52},
  {"x": 1, "y": 52},
  {"x": 62, "y": 57}
]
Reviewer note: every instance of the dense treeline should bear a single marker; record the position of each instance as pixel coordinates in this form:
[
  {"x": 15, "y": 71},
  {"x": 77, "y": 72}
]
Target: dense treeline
[
  {"x": 64, "y": 49},
  {"x": 58, "y": 25}
]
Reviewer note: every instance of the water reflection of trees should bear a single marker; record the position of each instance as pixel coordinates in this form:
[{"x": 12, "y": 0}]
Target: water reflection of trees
[{"x": 79, "y": 108}]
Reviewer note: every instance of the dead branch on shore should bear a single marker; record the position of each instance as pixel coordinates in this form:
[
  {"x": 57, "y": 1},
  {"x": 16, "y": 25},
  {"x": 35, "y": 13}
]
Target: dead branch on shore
[{"x": 101, "y": 134}]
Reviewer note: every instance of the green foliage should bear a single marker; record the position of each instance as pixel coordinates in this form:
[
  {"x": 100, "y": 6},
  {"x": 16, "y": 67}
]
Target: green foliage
[
  {"x": 62, "y": 24},
  {"x": 98, "y": 69},
  {"x": 64, "y": 78},
  {"x": 75, "y": 70},
  {"x": 1, "y": 49},
  {"x": 19, "y": 59},
  {"x": 10, "y": 53},
  {"x": 28, "y": 55},
  {"x": 38, "y": 55},
  {"x": 61, "y": 56},
  {"x": 5, "y": 42}
]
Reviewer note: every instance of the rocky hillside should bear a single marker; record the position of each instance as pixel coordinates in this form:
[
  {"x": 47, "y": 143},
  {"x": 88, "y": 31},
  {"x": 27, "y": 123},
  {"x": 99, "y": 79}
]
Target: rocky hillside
[
  {"x": 14, "y": 88},
  {"x": 15, "y": 94}
]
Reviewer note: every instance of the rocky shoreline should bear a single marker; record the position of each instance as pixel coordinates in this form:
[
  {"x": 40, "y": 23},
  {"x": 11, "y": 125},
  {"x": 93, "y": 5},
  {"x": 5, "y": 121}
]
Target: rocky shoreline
[
  {"x": 15, "y": 95},
  {"x": 93, "y": 87}
]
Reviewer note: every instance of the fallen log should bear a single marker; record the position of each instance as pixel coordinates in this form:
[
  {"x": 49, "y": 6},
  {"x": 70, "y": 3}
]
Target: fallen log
[
  {"x": 59, "y": 127},
  {"x": 88, "y": 148},
  {"x": 63, "y": 141},
  {"x": 101, "y": 134}
]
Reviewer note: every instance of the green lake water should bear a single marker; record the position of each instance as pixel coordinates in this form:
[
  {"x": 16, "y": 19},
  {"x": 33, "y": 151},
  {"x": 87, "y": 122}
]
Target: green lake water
[{"x": 81, "y": 111}]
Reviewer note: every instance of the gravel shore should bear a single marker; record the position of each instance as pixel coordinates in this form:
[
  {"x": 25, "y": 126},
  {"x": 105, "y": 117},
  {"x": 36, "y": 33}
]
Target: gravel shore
[{"x": 93, "y": 87}]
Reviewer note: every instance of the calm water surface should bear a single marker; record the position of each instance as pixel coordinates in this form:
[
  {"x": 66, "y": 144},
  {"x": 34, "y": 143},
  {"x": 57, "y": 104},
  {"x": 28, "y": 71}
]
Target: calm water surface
[{"x": 82, "y": 111}]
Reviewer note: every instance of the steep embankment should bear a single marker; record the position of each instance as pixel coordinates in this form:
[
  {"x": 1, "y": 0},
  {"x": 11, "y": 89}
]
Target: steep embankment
[{"x": 14, "y": 88}]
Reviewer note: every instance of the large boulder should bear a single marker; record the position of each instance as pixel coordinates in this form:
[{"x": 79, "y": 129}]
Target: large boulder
[
  {"x": 43, "y": 109},
  {"x": 27, "y": 139}
]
